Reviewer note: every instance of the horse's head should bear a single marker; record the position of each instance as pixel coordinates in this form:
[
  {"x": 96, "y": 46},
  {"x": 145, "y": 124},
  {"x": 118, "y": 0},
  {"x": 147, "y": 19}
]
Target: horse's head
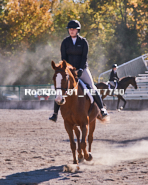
[
  {"x": 125, "y": 81},
  {"x": 63, "y": 80},
  {"x": 133, "y": 82}
]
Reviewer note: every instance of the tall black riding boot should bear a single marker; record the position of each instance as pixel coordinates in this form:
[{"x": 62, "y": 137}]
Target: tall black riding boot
[
  {"x": 99, "y": 102},
  {"x": 55, "y": 114}
]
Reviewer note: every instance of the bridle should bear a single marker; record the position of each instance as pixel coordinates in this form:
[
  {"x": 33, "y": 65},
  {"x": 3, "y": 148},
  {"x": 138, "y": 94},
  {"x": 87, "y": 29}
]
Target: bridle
[
  {"x": 68, "y": 82},
  {"x": 61, "y": 88}
]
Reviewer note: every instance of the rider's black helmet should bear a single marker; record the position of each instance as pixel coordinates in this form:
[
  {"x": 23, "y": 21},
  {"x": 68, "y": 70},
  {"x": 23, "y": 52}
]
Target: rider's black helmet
[
  {"x": 114, "y": 66},
  {"x": 74, "y": 24}
]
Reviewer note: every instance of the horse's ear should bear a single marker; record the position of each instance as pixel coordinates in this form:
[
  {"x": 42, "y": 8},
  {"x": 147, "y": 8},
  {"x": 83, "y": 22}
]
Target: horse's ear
[
  {"x": 64, "y": 64},
  {"x": 53, "y": 65}
]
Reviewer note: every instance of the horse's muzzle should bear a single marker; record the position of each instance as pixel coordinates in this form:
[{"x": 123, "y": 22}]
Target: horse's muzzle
[{"x": 62, "y": 102}]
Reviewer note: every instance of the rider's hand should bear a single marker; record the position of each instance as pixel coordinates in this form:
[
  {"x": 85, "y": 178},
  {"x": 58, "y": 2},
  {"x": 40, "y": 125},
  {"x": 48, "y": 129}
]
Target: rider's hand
[
  {"x": 115, "y": 79},
  {"x": 80, "y": 71}
]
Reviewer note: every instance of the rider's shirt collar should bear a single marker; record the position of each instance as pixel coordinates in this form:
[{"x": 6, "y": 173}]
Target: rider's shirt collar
[{"x": 74, "y": 40}]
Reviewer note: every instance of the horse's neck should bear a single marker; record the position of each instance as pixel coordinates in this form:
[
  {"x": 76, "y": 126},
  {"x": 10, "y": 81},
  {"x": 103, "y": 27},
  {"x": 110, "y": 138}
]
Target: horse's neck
[
  {"x": 126, "y": 83},
  {"x": 73, "y": 87},
  {"x": 73, "y": 84},
  {"x": 76, "y": 91}
]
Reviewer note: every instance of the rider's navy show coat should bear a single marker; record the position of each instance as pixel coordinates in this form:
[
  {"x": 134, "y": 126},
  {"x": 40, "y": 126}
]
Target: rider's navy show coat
[
  {"x": 113, "y": 76},
  {"x": 76, "y": 55}
]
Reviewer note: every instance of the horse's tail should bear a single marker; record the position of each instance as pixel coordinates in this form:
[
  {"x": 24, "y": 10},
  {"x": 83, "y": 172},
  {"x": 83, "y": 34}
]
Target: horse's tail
[{"x": 94, "y": 112}]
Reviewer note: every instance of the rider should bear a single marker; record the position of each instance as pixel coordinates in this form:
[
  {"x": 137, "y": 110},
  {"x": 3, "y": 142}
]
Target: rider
[
  {"x": 74, "y": 50},
  {"x": 113, "y": 80}
]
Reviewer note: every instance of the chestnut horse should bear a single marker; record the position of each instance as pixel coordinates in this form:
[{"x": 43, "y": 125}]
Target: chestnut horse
[
  {"x": 75, "y": 109},
  {"x": 122, "y": 84}
]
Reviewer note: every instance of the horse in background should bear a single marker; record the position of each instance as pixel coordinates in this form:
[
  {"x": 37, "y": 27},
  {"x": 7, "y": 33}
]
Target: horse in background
[{"x": 122, "y": 84}]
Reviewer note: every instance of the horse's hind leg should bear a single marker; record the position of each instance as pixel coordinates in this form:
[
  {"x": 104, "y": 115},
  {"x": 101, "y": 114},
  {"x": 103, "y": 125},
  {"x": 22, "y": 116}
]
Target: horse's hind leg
[
  {"x": 103, "y": 96},
  {"x": 84, "y": 129},
  {"x": 91, "y": 130},
  {"x": 80, "y": 155},
  {"x": 69, "y": 130}
]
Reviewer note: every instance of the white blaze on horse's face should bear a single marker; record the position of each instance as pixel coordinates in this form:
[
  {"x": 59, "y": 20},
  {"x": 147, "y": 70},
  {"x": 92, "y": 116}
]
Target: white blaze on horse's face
[{"x": 59, "y": 97}]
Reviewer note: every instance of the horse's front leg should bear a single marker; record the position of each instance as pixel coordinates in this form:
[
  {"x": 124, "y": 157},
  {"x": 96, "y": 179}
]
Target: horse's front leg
[
  {"x": 87, "y": 155},
  {"x": 80, "y": 155},
  {"x": 91, "y": 130},
  {"x": 69, "y": 130},
  {"x": 121, "y": 97}
]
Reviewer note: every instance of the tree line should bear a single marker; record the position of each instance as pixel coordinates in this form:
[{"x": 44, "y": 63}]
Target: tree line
[{"x": 31, "y": 32}]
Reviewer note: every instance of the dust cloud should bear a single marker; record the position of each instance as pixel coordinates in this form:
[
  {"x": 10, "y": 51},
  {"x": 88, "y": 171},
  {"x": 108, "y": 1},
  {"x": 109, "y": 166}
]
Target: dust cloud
[
  {"x": 24, "y": 68},
  {"x": 108, "y": 156}
]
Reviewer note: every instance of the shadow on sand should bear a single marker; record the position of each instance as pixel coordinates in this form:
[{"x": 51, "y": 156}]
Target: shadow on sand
[
  {"x": 111, "y": 141},
  {"x": 124, "y": 142},
  {"x": 32, "y": 177}
]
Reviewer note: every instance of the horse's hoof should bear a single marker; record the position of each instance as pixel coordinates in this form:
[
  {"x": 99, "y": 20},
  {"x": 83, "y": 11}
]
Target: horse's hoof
[
  {"x": 89, "y": 158},
  {"x": 121, "y": 108},
  {"x": 72, "y": 168},
  {"x": 75, "y": 162},
  {"x": 118, "y": 110},
  {"x": 81, "y": 159}
]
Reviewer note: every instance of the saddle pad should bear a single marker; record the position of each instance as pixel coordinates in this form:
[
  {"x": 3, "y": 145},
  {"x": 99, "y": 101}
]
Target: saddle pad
[
  {"x": 110, "y": 86},
  {"x": 88, "y": 93}
]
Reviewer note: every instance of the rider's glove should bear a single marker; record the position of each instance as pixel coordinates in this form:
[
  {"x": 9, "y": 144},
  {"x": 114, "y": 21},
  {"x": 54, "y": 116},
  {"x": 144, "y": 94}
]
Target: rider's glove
[
  {"x": 80, "y": 72},
  {"x": 115, "y": 79}
]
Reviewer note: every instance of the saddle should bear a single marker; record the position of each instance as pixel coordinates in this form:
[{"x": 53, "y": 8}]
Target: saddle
[{"x": 110, "y": 86}]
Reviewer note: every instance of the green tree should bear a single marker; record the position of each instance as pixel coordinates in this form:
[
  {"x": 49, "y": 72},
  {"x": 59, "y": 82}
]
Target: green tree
[
  {"x": 121, "y": 28},
  {"x": 27, "y": 20},
  {"x": 116, "y": 32}
]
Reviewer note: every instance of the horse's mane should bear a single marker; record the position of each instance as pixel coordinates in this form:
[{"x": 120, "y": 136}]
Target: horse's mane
[
  {"x": 69, "y": 67},
  {"x": 73, "y": 71},
  {"x": 125, "y": 78}
]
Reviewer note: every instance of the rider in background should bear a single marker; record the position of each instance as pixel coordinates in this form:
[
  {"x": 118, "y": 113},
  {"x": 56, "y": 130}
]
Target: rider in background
[
  {"x": 74, "y": 50},
  {"x": 113, "y": 80}
]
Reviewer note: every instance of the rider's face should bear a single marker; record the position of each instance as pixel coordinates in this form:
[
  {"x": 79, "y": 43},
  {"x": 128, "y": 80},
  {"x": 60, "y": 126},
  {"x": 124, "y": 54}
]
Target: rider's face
[
  {"x": 73, "y": 32},
  {"x": 115, "y": 69}
]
